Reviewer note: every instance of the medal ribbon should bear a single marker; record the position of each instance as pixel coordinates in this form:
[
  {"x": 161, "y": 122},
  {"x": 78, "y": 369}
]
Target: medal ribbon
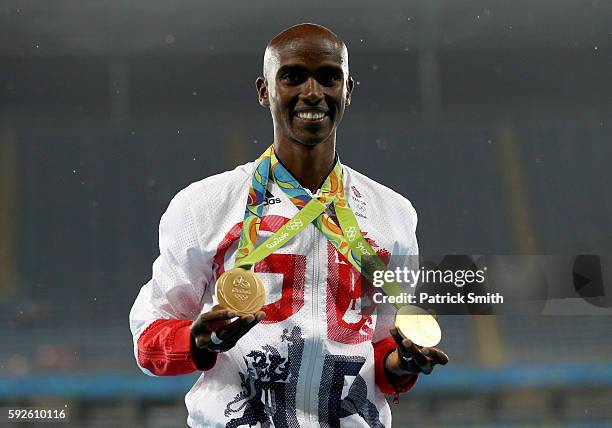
[{"x": 346, "y": 237}]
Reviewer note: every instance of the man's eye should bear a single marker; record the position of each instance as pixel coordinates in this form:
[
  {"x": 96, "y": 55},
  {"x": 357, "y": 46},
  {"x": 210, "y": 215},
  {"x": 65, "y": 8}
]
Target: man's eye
[
  {"x": 291, "y": 77},
  {"x": 331, "y": 78}
]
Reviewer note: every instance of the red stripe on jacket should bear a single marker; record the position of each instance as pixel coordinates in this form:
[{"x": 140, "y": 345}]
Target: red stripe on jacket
[
  {"x": 166, "y": 348},
  {"x": 389, "y": 386}
]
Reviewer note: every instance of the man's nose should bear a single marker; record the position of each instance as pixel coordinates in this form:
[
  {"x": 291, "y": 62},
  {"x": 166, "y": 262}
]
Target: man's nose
[{"x": 313, "y": 91}]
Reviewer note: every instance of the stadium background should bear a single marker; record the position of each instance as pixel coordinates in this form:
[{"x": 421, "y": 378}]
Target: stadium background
[{"x": 493, "y": 118}]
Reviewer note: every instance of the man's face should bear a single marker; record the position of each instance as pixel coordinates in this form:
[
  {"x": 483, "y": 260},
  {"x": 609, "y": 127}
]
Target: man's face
[{"x": 306, "y": 86}]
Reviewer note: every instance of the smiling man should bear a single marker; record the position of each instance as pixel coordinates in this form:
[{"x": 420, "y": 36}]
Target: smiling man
[{"x": 316, "y": 354}]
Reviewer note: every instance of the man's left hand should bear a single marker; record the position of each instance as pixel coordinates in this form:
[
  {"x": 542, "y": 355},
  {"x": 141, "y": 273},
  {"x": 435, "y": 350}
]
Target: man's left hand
[{"x": 408, "y": 358}]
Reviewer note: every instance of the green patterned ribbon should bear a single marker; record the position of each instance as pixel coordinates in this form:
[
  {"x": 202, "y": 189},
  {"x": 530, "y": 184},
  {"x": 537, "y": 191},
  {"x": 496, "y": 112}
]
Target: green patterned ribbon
[{"x": 345, "y": 237}]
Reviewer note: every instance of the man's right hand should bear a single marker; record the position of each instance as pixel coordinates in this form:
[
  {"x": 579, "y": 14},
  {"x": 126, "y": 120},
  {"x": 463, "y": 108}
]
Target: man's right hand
[{"x": 219, "y": 321}]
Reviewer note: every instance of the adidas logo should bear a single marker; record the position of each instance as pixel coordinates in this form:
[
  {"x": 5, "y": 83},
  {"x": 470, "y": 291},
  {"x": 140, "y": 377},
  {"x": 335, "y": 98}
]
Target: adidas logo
[{"x": 270, "y": 199}]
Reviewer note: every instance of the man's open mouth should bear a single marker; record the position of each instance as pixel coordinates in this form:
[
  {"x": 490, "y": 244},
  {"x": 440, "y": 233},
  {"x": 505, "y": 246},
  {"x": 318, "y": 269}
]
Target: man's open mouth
[{"x": 312, "y": 115}]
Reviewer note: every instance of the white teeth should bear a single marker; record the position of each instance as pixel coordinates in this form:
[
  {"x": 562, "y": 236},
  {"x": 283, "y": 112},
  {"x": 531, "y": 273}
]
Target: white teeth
[{"x": 310, "y": 115}]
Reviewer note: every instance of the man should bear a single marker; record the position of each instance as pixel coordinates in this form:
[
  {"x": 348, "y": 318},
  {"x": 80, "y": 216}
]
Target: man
[{"x": 312, "y": 356}]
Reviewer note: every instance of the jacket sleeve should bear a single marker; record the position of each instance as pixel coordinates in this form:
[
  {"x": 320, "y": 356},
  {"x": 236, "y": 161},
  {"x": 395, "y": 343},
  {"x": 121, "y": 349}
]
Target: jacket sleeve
[
  {"x": 387, "y": 383},
  {"x": 166, "y": 348},
  {"x": 166, "y": 306}
]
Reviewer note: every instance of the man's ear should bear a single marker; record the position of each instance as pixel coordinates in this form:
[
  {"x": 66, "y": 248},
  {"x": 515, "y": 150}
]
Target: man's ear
[
  {"x": 262, "y": 91},
  {"x": 350, "y": 84}
]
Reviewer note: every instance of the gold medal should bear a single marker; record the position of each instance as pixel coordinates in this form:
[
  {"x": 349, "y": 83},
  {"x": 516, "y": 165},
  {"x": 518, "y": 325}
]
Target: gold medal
[
  {"x": 418, "y": 325},
  {"x": 240, "y": 290}
]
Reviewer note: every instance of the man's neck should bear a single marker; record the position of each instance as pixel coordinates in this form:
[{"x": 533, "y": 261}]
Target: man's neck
[{"x": 310, "y": 165}]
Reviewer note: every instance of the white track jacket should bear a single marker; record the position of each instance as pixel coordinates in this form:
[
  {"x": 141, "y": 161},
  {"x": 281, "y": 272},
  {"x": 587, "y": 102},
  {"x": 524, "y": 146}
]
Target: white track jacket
[{"x": 316, "y": 359}]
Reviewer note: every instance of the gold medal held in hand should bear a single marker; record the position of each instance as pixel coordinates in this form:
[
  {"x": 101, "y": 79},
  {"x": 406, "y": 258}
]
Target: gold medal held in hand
[
  {"x": 418, "y": 325},
  {"x": 240, "y": 290}
]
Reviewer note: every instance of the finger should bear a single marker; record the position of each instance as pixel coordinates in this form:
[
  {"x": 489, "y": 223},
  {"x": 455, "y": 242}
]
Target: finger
[
  {"x": 258, "y": 317},
  {"x": 230, "y": 338},
  {"x": 202, "y": 323},
  {"x": 395, "y": 334},
  {"x": 215, "y": 325},
  {"x": 436, "y": 355},
  {"x": 238, "y": 328},
  {"x": 397, "y": 337},
  {"x": 199, "y": 328},
  {"x": 235, "y": 332},
  {"x": 404, "y": 346},
  {"x": 217, "y": 314},
  {"x": 233, "y": 329},
  {"x": 202, "y": 340},
  {"x": 412, "y": 350}
]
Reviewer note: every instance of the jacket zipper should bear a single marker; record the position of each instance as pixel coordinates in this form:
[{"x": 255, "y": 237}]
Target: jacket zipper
[{"x": 315, "y": 330}]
